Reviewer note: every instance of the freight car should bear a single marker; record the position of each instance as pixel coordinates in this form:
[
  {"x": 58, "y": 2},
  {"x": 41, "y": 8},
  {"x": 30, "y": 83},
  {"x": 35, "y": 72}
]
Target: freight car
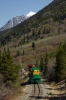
[{"x": 35, "y": 76}]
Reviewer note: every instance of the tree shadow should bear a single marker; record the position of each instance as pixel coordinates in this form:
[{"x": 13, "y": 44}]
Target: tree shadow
[
  {"x": 58, "y": 98},
  {"x": 49, "y": 98},
  {"x": 37, "y": 97},
  {"x": 25, "y": 83}
]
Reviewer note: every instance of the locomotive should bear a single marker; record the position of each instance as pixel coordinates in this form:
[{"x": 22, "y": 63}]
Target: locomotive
[{"x": 34, "y": 74}]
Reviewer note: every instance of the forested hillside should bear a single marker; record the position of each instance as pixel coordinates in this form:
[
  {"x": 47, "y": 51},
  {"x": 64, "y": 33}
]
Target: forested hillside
[
  {"x": 48, "y": 21},
  {"x": 40, "y": 40},
  {"x": 37, "y": 35}
]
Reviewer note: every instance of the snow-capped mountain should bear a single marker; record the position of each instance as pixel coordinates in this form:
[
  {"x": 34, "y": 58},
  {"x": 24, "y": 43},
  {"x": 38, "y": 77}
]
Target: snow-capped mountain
[
  {"x": 13, "y": 22},
  {"x": 16, "y": 20},
  {"x": 30, "y": 14}
]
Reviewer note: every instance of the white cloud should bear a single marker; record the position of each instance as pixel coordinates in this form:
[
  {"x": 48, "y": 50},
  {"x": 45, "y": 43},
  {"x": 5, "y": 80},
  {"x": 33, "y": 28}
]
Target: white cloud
[{"x": 30, "y": 14}]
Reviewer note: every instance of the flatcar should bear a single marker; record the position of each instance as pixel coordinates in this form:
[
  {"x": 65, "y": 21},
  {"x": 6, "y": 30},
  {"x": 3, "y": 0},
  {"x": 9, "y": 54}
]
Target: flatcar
[{"x": 35, "y": 76}]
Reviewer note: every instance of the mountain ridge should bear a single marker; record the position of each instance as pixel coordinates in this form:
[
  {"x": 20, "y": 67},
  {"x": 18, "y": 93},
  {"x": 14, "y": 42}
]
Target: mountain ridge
[{"x": 16, "y": 20}]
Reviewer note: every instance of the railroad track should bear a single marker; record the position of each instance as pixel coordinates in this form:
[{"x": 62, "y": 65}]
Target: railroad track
[{"x": 36, "y": 92}]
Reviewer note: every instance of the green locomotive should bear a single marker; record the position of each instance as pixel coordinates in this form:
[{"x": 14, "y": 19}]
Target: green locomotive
[{"x": 35, "y": 76}]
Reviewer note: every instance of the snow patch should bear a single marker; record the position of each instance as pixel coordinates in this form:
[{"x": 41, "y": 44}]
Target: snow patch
[{"x": 30, "y": 14}]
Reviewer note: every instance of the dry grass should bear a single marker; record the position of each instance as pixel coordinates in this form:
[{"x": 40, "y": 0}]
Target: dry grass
[
  {"x": 48, "y": 44},
  {"x": 43, "y": 45}
]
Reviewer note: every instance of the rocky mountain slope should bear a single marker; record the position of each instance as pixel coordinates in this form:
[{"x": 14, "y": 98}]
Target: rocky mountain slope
[
  {"x": 13, "y": 22},
  {"x": 16, "y": 20}
]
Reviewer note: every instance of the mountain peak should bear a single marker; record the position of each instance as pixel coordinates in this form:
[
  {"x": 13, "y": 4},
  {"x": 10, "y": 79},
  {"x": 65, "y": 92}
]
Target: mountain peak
[
  {"x": 30, "y": 14},
  {"x": 16, "y": 20}
]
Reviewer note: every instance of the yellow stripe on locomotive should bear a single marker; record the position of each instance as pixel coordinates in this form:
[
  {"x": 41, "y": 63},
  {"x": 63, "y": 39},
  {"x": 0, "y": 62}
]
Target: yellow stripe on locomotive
[{"x": 36, "y": 72}]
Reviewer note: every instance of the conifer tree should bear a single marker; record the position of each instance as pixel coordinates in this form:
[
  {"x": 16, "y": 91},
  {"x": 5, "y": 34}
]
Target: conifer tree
[
  {"x": 33, "y": 45},
  {"x": 46, "y": 59},
  {"x": 41, "y": 64},
  {"x": 64, "y": 63},
  {"x": 64, "y": 69},
  {"x": 39, "y": 32},
  {"x": 0, "y": 60},
  {"x": 33, "y": 33},
  {"x": 59, "y": 63},
  {"x": 9, "y": 70},
  {"x": 64, "y": 47},
  {"x": 27, "y": 38}
]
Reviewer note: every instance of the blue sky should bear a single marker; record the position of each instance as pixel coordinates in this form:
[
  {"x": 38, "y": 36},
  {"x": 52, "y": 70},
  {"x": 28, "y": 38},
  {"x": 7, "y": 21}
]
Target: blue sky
[{"x": 12, "y": 8}]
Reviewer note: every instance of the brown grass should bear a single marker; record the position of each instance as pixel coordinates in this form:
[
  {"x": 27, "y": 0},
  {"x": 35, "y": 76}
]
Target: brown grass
[{"x": 49, "y": 44}]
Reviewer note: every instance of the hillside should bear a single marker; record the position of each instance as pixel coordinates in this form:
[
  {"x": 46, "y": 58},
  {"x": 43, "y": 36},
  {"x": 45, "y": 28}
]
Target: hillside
[
  {"x": 30, "y": 41},
  {"x": 49, "y": 21}
]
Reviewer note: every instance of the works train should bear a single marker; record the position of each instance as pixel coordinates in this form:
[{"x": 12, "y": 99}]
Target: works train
[{"x": 34, "y": 74}]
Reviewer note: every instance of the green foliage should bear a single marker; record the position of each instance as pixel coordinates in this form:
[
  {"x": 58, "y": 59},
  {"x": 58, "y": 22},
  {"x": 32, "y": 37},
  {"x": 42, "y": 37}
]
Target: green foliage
[
  {"x": 60, "y": 63},
  {"x": 46, "y": 60},
  {"x": 33, "y": 45},
  {"x": 33, "y": 33},
  {"x": 9, "y": 70},
  {"x": 0, "y": 59},
  {"x": 64, "y": 63},
  {"x": 44, "y": 63},
  {"x": 64, "y": 47},
  {"x": 41, "y": 64},
  {"x": 27, "y": 38}
]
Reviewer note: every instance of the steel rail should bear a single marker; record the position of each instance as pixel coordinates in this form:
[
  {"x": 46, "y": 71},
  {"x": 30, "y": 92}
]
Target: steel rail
[{"x": 36, "y": 91}]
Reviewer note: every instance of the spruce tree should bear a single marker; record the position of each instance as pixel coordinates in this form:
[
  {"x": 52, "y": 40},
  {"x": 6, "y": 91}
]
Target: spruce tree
[
  {"x": 0, "y": 61},
  {"x": 64, "y": 63},
  {"x": 64, "y": 47},
  {"x": 46, "y": 60},
  {"x": 41, "y": 64},
  {"x": 33, "y": 33},
  {"x": 59, "y": 63},
  {"x": 33, "y": 45},
  {"x": 9, "y": 70}
]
